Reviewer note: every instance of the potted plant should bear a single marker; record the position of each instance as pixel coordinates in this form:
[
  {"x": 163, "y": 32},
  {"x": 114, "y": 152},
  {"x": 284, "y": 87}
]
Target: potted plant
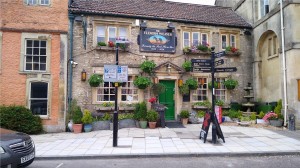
[
  {"x": 230, "y": 84},
  {"x": 235, "y": 114},
  {"x": 203, "y": 47},
  {"x": 186, "y": 49},
  {"x": 102, "y": 122},
  {"x": 204, "y": 104},
  {"x": 184, "y": 115},
  {"x": 253, "y": 118},
  {"x": 259, "y": 119},
  {"x": 187, "y": 66},
  {"x": 210, "y": 85},
  {"x": 126, "y": 120},
  {"x": 87, "y": 120},
  {"x": 101, "y": 43},
  {"x": 219, "y": 102},
  {"x": 77, "y": 116},
  {"x": 192, "y": 83},
  {"x": 140, "y": 113},
  {"x": 95, "y": 80},
  {"x": 184, "y": 89},
  {"x": 152, "y": 117},
  {"x": 142, "y": 82},
  {"x": 148, "y": 66},
  {"x": 200, "y": 115}
]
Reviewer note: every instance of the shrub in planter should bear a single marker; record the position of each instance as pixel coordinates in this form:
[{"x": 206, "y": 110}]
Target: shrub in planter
[
  {"x": 101, "y": 43},
  {"x": 148, "y": 66},
  {"x": 77, "y": 116},
  {"x": 192, "y": 83},
  {"x": 152, "y": 117},
  {"x": 230, "y": 84},
  {"x": 219, "y": 102},
  {"x": 205, "y": 103},
  {"x": 87, "y": 120},
  {"x": 184, "y": 115},
  {"x": 142, "y": 82},
  {"x": 20, "y": 118},
  {"x": 184, "y": 89},
  {"x": 187, "y": 65},
  {"x": 140, "y": 113},
  {"x": 95, "y": 80}
]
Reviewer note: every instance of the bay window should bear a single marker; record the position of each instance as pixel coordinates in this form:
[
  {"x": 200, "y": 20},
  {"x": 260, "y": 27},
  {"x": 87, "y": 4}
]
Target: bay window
[{"x": 107, "y": 33}]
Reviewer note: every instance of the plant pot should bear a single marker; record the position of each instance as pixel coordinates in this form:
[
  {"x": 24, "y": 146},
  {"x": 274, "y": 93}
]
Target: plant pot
[
  {"x": 87, "y": 127},
  {"x": 143, "y": 124},
  {"x": 200, "y": 120},
  {"x": 77, "y": 128},
  {"x": 260, "y": 121},
  {"x": 184, "y": 121},
  {"x": 152, "y": 125},
  {"x": 276, "y": 123}
]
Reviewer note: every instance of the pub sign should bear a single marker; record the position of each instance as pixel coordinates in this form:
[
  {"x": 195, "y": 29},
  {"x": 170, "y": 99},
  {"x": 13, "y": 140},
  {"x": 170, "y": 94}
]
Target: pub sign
[{"x": 157, "y": 40}]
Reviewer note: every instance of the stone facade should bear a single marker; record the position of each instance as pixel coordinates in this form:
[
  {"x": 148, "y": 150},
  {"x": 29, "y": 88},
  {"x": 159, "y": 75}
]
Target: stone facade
[
  {"x": 92, "y": 59},
  {"x": 268, "y": 64},
  {"x": 20, "y": 22}
]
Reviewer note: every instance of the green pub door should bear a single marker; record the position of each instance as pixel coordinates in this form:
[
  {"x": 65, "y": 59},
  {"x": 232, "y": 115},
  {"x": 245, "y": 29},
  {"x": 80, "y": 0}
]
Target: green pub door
[{"x": 167, "y": 98}]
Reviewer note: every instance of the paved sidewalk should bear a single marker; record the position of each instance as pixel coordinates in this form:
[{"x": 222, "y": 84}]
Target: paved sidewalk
[{"x": 165, "y": 141}]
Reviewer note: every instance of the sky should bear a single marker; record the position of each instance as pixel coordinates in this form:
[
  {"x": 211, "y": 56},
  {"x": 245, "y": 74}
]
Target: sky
[{"x": 203, "y": 2}]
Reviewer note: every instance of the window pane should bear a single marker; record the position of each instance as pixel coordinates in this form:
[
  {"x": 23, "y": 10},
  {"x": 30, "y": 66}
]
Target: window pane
[
  {"x": 36, "y": 66},
  {"x": 29, "y": 43},
  {"x": 29, "y": 51},
  {"x": 36, "y": 59},
  {"x": 195, "y": 39},
  {"x": 36, "y": 43},
  {"x": 275, "y": 45},
  {"x": 101, "y": 34},
  {"x": 224, "y": 39},
  {"x": 232, "y": 41},
  {"x": 43, "y": 67},
  {"x": 28, "y": 67},
  {"x": 43, "y": 51},
  {"x": 43, "y": 59},
  {"x": 28, "y": 59},
  {"x": 186, "y": 39},
  {"x": 36, "y": 51},
  {"x": 39, "y": 107},
  {"x": 204, "y": 39},
  {"x": 123, "y": 33},
  {"x": 39, "y": 90},
  {"x": 43, "y": 43},
  {"x": 112, "y": 34}
]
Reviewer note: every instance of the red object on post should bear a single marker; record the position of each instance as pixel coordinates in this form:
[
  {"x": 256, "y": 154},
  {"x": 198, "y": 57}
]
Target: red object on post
[{"x": 218, "y": 111}]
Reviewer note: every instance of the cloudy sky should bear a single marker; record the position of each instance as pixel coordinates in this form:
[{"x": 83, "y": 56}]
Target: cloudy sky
[{"x": 204, "y": 2}]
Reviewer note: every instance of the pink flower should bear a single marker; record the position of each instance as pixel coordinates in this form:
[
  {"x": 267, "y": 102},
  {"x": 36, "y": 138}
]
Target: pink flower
[{"x": 270, "y": 115}]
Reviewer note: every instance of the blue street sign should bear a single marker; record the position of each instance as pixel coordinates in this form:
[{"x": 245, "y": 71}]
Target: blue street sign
[
  {"x": 230, "y": 69},
  {"x": 219, "y": 62},
  {"x": 220, "y": 54}
]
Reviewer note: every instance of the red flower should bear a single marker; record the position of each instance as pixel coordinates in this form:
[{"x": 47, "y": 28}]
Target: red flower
[
  {"x": 152, "y": 100},
  {"x": 111, "y": 44},
  {"x": 234, "y": 49}
]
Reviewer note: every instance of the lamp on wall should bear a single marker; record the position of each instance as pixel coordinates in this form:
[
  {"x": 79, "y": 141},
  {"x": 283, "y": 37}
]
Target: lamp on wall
[
  {"x": 143, "y": 25},
  {"x": 83, "y": 75}
]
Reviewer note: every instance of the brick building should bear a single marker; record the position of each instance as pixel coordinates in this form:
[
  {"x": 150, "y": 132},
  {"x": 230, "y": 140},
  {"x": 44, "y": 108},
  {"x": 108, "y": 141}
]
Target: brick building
[
  {"x": 174, "y": 27},
  {"x": 33, "y": 58}
]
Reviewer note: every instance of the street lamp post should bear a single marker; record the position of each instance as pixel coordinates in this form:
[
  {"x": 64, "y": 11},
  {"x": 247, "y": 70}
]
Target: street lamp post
[
  {"x": 214, "y": 128},
  {"x": 115, "y": 117}
]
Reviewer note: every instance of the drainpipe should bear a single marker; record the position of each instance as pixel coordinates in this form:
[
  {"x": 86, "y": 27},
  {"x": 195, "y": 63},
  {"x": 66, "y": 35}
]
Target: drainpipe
[
  {"x": 70, "y": 61},
  {"x": 284, "y": 64}
]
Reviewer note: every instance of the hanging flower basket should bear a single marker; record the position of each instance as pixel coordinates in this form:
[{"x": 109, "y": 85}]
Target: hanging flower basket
[
  {"x": 95, "y": 80},
  {"x": 142, "y": 82}
]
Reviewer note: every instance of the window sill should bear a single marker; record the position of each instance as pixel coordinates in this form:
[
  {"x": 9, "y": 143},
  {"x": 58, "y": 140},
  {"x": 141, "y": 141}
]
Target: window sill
[
  {"x": 199, "y": 107},
  {"x": 197, "y": 52},
  {"x": 106, "y": 48},
  {"x": 228, "y": 53},
  {"x": 272, "y": 56},
  {"x": 34, "y": 72},
  {"x": 44, "y": 117}
]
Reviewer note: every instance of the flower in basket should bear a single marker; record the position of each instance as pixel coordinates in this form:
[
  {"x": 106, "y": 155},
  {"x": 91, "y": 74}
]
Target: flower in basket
[
  {"x": 111, "y": 44},
  {"x": 203, "y": 47},
  {"x": 152, "y": 100},
  {"x": 231, "y": 49},
  {"x": 270, "y": 116}
]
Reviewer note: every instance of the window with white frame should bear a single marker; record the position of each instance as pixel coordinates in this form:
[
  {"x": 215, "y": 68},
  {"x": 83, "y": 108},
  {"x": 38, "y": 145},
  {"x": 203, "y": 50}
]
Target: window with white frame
[
  {"x": 106, "y": 92},
  {"x": 37, "y": 2},
  {"x": 110, "y": 33},
  {"x": 200, "y": 94},
  {"x": 193, "y": 39},
  {"x": 228, "y": 40},
  {"x": 35, "y": 55},
  {"x": 38, "y": 98},
  {"x": 128, "y": 91},
  {"x": 220, "y": 91}
]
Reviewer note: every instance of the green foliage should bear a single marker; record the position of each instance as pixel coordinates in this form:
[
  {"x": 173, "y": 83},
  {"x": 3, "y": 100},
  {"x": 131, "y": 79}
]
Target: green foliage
[
  {"x": 235, "y": 113},
  {"x": 77, "y": 116},
  {"x": 261, "y": 115},
  {"x": 158, "y": 88},
  {"x": 235, "y": 106},
  {"x": 225, "y": 112},
  {"x": 192, "y": 83},
  {"x": 202, "y": 48},
  {"x": 152, "y": 116},
  {"x": 140, "y": 111},
  {"x": 187, "y": 65},
  {"x": 148, "y": 66},
  {"x": 278, "y": 108},
  {"x": 265, "y": 108},
  {"x": 244, "y": 118},
  {"x": 87, "y": 117},
  {"x": 184, "y": 89},
  {"x": 95, "y": 80},
  {"x": 107, "y": 117},
  {"x": 125, "y": 116},
  {"x": 219, "y": 102},
  {"x": 230, "y": 83},
  {"x": 20, "y": 118},
  {"x": 142, "y": 82},
  {"x": 253, "y": 116},
  {"x": 72, "y": 108},
  {"x": 184, "y": 114},
  {"x": 186, "y": 49},
  {"x": 200, "y": 113},
  {"x": 205, "y": 103},
  {"x": 107, "y": 104},
  {"x": 101, "y": 43},
  {"x": 210, "y": 85},
  {"x": 123, "y": 46}
]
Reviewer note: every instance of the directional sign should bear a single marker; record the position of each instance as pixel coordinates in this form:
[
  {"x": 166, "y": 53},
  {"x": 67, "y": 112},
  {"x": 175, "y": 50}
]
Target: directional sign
[
  {"x": 201, "y": 62},
  {"x": 219, "y": 62},
  {"x": 230, "y": 69},
  {"x": 202, "y": 69},
  {"x": 220, "y": 54}
]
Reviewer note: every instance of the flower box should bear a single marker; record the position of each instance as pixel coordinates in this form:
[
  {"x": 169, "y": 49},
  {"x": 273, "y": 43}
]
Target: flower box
[
  {"x": 229, "y": 53},
  {"x": 107, "y": 48}
]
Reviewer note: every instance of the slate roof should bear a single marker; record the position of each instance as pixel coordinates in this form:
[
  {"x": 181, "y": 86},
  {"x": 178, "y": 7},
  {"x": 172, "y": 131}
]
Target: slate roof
[{"x": 161, "y": 10}]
